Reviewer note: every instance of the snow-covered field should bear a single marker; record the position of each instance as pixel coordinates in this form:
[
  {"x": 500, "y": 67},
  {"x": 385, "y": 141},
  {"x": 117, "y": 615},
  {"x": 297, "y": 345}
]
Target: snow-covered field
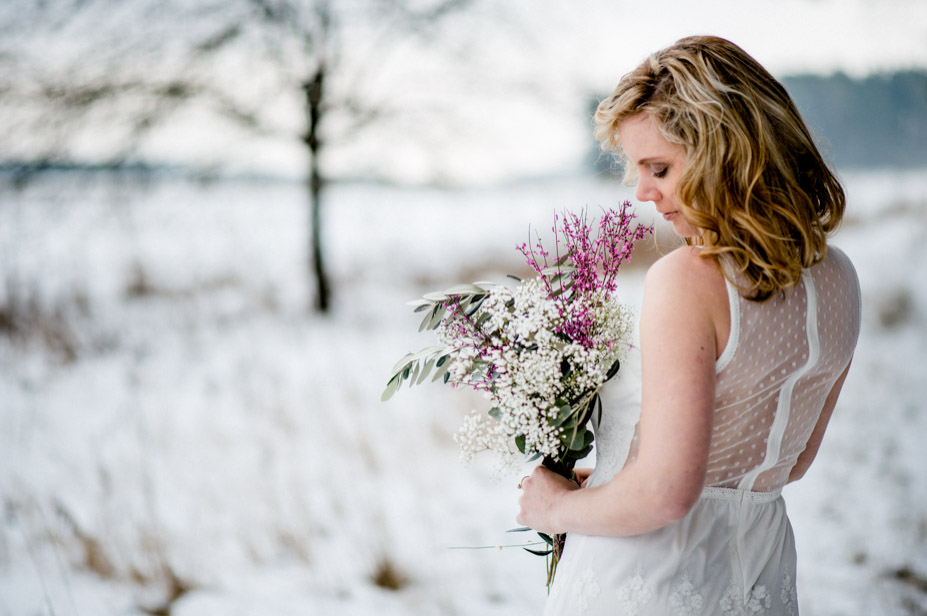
[{"x": 180, "y": 435}]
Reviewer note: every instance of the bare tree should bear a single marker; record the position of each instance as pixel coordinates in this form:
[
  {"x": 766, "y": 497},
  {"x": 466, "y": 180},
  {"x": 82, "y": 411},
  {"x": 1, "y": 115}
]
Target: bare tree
[
  {"x": 310, "y": 42},
  {"x": 124, "y": 69}
]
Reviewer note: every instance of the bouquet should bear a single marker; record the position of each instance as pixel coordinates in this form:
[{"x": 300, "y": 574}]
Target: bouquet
[{"x": 540, "y": 351}]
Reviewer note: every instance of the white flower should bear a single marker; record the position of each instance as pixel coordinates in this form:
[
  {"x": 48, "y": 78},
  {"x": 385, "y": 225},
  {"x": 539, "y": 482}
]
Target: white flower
[{"x": 515, "y": 355}]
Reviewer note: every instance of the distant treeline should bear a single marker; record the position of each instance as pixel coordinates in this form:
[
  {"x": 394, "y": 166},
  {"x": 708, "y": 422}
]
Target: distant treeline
[{"x": 876, "y": 121}]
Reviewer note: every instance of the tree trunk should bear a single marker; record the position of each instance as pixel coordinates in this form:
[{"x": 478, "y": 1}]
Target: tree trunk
[{"x": 314, "y": 92}]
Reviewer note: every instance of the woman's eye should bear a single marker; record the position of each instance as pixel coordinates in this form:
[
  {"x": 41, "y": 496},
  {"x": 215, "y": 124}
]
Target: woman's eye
[{"x": 659, "y": 172}]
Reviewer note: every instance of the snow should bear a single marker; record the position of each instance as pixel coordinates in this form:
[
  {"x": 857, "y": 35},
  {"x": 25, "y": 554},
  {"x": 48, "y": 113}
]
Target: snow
[{"x": 180, "y": 434}]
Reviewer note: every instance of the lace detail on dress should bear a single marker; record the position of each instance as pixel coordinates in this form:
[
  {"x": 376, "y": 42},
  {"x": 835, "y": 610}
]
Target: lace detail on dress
[
  {"x": 585, "y": 589},
  {"x": 634, "y": 594},
  {"x": 733, "y": 603},
  {"x": 685, "y": 600},
  {"x": 760, "y": 600},
  {"x": 789, "y": 595}
]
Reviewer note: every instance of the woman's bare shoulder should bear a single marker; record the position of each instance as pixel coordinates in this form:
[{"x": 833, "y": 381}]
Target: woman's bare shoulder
[
  {"x": 686, "y": 270},
  {"x": 685, "y": 294},
  {"x": 684, "y": 278}
]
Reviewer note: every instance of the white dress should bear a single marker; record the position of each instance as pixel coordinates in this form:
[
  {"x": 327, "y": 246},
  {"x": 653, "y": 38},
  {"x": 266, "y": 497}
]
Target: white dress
[{"x": 734, "y": 553}]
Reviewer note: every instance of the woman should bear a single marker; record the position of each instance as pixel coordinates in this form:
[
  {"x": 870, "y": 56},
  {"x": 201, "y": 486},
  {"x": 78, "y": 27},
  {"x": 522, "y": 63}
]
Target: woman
[{"x": 746, "y": 337}]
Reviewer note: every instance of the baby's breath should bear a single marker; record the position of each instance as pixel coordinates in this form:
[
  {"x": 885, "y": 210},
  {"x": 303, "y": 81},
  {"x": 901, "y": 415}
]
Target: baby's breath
[
  {"x": 548, "y": 341},
  {"x": 540, "y": 351}
]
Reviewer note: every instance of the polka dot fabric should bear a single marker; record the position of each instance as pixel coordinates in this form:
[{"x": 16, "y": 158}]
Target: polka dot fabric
[
  {"x": 782, "y": 359},
  {"x": 734, "y": 551}
]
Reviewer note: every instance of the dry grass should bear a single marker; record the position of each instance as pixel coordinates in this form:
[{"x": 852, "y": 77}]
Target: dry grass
[
  {"x": 25, "y": 321},
  {"x": 176, "y": 589},
  {"x": 896, "y": 308},
  {"x": 386, "y": 575},
  {"x": 644, "y": 255}
]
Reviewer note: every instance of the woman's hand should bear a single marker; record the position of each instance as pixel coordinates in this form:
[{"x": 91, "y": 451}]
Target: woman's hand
[
  {"x": 582, "y": 475},
  {"x": 542, "y": 492}
]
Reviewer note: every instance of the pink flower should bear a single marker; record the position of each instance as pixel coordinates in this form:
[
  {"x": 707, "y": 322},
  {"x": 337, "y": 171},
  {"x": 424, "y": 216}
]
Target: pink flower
[{"x": 586, "y": 265}]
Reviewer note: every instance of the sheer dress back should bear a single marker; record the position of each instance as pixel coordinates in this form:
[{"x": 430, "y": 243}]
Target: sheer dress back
[
  {"x": 780, "y": 363},
  {"x": 733, "y": 554}
]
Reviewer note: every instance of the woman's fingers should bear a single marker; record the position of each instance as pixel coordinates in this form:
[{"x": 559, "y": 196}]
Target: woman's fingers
[{"x": 582, "y": 476}]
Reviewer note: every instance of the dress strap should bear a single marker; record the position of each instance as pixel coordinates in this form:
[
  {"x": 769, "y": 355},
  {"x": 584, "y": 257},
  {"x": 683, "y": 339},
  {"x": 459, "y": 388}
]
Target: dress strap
[
  {"x": 784, "y": 407},
  {"x": 733, "y": 298}
]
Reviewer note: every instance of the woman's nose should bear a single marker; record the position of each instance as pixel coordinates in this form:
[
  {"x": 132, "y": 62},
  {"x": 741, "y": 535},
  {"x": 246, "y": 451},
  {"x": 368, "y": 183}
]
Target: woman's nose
[{"x": 646, "y": 191}]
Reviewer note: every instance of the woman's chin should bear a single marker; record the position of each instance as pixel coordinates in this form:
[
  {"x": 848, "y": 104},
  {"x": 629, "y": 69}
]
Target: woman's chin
[{"x": 683, "y": 229}]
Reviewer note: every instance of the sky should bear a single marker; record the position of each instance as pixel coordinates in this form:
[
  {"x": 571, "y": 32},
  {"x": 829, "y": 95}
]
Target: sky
[
  {"x": 787, "y": 36},
  {"x": 588, "y": 45},
  {"x": 566, "y": 53},
  {"x": 522, "y": 107}
]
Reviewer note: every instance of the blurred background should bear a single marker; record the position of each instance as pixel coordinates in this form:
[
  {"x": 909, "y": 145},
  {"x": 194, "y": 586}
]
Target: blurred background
[{"x": 212, "y": 213}]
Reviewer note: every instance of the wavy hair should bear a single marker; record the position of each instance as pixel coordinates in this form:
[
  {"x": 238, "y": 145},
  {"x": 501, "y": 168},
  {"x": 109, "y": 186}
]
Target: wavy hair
[{"x": 754, "y": 184}]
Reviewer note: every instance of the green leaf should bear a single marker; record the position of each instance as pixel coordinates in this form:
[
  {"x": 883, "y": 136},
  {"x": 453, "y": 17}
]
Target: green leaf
[
  {"x": 426, "y": 369},
  {"x": 556, "y": 269},
  {"x": 420, "y": 354},
  {"x": 581, "y": 440},
  {"x": 613, "y": 370},
  {"x": 515, "y": 278},
  {"x": 495, "y": 413},
  {"x": 582, "y": 453},
  {"x": 560, "y": 284},
  {"x": 563, "y": 413},
  {"x": 520, "y": 442},
  {"x": 391, "y": 388},
  {"x": 474, "y": 306},
  {"x": 464, "y": 289},
  {"x": 571, "y": 438},
  {"x": 429, "y": 321},
  {"x": 401, "y": 364},
  {"x": 587, "y": 408},
  {"x": 442, "y": 369},
  {"x": 539, "y": 552},
  {"x": 439, "y": 313},
  {"x": 435, "y": 297}
]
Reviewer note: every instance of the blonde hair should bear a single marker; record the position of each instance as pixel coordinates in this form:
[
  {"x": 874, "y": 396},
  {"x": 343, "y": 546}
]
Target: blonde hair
[{"x": 754, "y": 185}]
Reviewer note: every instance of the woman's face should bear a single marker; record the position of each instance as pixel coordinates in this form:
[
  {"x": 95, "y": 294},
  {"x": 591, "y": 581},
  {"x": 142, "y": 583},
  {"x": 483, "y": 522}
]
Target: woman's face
[{"x": 659, "y": 164}]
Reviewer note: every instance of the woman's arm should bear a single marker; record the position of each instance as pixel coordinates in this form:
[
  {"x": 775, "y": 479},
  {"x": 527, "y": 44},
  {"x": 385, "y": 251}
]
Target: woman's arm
[{"x": 685, "y": 300}]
